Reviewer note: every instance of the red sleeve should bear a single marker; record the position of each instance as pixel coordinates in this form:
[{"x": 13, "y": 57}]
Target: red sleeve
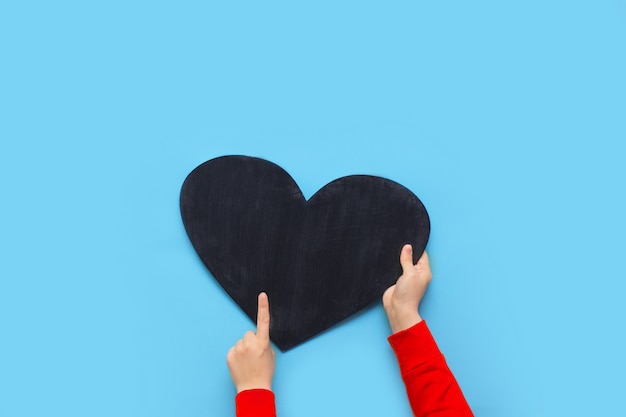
[
  {"x": 255, "y": 403},
  {"x": 430, "y": 385}
]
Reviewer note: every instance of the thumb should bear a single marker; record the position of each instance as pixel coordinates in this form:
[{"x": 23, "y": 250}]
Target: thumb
[{"x": 406, "y": 258}]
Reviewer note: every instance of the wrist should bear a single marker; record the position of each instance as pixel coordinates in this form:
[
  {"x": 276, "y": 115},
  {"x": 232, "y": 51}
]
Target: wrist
[
  {"x": 252, "y": 385},
  {"x": 402, "y": 320}
]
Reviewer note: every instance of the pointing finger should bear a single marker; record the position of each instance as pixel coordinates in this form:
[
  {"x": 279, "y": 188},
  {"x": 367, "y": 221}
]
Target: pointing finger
[{"x": 263, "y": 318}]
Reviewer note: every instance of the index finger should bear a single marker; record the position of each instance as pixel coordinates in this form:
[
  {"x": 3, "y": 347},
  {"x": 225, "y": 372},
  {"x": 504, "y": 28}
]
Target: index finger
[
  {"x": 424, "y": 261},
  {"x": 263, "y": 318}
]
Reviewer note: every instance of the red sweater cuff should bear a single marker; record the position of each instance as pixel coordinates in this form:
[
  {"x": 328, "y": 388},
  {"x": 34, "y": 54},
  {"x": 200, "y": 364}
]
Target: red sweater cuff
[
  {"x": 414, "y": 346},
  {"x": 256, "y": 403}
]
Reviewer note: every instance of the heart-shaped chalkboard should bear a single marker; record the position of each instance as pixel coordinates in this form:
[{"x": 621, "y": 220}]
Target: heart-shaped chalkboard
[{"x": 320, "y": 261}]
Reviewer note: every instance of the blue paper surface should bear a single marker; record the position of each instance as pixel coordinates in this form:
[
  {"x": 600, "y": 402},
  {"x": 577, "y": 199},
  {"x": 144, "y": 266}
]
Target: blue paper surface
[{"x": 506, "y": 118}]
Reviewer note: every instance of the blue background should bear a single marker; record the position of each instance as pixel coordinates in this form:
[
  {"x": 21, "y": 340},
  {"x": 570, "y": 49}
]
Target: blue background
[{"x": 506, "y": 118}]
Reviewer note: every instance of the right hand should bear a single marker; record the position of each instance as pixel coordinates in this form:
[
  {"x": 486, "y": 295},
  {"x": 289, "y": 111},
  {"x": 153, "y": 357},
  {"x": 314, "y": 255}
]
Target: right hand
[
  {"x": 251, "y": 361},
  {"x": 401, "y": 300}
]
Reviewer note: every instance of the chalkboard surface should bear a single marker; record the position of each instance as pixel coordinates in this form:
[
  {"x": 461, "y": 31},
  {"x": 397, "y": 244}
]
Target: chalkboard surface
[{"x": 320, "y": 261}]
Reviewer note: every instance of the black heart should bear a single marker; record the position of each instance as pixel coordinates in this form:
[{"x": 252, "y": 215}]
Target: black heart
[{"x": 320, "y": 261}]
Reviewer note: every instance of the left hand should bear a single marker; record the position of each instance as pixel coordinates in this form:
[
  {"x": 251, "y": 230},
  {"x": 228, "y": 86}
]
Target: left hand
[{"x": 251, "y": 361}]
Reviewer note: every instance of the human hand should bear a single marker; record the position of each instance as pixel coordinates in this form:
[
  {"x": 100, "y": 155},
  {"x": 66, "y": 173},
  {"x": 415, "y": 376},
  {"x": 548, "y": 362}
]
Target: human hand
[
  {"x": 401, "y": 300},
  {"x": 251, "y": 361}
]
